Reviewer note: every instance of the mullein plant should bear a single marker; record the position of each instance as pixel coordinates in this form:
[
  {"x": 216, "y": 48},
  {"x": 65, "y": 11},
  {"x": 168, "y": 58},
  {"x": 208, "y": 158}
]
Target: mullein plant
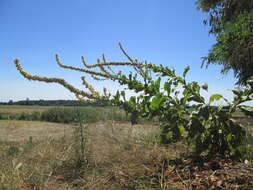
[
  {"x": 104, "y": 74},
  {"x": 159, "y": 92}
]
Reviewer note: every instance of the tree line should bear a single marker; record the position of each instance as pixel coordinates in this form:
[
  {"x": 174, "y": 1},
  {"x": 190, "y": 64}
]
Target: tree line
[{"x": 28, "y": 102}]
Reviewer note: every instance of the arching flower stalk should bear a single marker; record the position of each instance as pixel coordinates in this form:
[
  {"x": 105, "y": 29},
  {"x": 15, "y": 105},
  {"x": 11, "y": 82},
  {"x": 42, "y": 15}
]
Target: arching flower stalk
[{"x": 104, "y": 74}]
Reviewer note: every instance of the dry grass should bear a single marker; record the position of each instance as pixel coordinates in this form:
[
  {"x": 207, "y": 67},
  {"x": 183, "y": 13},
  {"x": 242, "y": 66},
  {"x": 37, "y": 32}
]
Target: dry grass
[
  {"x": 15, "y": 109},
  {"x": 118, "y": 156},
  {"x": 11, "y": 130}
]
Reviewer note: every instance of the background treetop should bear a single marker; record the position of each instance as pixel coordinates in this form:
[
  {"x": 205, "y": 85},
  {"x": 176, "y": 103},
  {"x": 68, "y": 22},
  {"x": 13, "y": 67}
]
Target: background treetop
[{"x": 231, "y": 21}]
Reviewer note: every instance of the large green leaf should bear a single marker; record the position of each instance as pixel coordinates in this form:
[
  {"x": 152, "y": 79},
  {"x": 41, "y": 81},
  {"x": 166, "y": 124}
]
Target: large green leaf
[
  {"x": 156, "y": 101},
  {"x": 132, "y": 101},
  {"x": 216, "y": 97}
]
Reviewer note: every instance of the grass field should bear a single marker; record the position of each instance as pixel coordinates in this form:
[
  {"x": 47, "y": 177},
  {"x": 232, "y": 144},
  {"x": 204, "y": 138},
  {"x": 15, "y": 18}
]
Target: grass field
[
  {"x": 14, "y": 109},
  {"x": 23, "y": 130},
  {"x": 62, "y": 114},
  {"x": 109, "y": 155}
]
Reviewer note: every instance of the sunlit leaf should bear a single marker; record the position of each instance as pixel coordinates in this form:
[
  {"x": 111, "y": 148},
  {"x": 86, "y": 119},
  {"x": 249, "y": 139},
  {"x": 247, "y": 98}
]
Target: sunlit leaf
[
  {"x": 216, "y": 97},
  {"x": 156, "y": 101}
]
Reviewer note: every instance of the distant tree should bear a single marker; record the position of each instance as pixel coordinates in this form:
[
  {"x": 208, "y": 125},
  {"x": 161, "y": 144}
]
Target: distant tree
[
  {"x": 231, "y": 21},
  {"x": 27, "y": 102},
  {"x": 10, "y": 102}
]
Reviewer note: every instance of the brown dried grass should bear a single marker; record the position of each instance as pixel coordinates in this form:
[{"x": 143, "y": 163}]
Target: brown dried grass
[
  {"x": 118, "y": 158},
  {"x": 15, "y": 109},
  {"x": 11, "y": 130}
]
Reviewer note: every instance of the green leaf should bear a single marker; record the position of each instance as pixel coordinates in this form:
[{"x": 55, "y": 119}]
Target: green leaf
[
  {"x": 132, "y": 101},
  {"x": 157, "y": 83},
  {"x": 216, "y": 97},
  {"x": 230, "y": 137},
  {"x": 123, "y": 93},
  {"x": 167, "y": 86},
  {"x": 186, "y": 70},
  {"x": 197, "y": 98},
  {"x": 182, "y": 129},
  {"x": 156, "y": 101}
]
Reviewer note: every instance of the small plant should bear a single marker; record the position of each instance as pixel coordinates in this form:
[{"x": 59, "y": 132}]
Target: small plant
[
  {"x": 29, "y": 144},
  {"x": 80, "y": 144},
  {"x": 13, "y": 151}
]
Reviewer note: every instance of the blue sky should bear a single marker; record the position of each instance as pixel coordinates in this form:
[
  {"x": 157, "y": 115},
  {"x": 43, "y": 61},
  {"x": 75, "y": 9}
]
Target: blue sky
[{"x": 162, "y": 32}]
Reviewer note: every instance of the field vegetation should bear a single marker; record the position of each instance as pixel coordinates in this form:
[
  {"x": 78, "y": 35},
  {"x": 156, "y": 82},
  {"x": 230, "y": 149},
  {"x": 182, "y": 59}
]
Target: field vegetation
[
  {"x": 17, "y": 109},
  {"x": 109, "y": 155},
  {"x": 62, "y": 114},
  {"x": 213, "y": 149}
]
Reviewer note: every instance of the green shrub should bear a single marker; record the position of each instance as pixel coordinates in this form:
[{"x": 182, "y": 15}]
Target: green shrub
[
  {"x": 69, "y": 115},
  {"x": 87, "y": 114},
  {"x": 206, "y": 128}
]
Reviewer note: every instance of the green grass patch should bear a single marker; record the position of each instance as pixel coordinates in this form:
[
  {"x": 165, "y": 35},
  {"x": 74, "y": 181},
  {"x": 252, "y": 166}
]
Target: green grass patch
[{"x": 69, "y": 114}]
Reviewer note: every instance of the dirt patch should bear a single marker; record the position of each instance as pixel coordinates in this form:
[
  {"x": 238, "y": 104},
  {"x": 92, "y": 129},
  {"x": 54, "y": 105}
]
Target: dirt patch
[{"x": 21, "y": 130}]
